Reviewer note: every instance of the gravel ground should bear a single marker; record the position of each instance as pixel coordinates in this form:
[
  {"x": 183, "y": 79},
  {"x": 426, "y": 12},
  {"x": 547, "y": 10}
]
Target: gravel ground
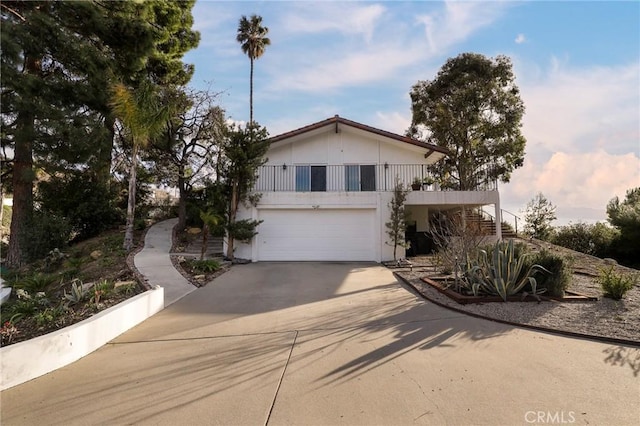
[{"x": 604, "y": 318}]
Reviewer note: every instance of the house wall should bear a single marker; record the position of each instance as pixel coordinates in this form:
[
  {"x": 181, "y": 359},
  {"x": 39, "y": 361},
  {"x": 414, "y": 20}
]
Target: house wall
[
  {"x": 323, "y": 200},
  {"x": 353, "y": 146},
  {"x": 345, "y": 147}
]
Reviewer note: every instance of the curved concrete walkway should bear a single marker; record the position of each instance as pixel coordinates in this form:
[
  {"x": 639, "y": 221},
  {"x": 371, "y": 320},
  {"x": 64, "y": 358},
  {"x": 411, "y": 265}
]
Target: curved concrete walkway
[
  {"x": 325, "y": 344},
  {"x": 154, "y": 263}
]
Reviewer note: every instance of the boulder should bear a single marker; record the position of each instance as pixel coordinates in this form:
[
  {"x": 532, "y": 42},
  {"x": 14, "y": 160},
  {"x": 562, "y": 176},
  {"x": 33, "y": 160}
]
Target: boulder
[{"x": 123, "y": 283}]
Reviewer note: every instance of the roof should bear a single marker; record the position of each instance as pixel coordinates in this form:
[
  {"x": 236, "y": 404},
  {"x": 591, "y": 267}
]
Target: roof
[{"x": 337, "y": 120}]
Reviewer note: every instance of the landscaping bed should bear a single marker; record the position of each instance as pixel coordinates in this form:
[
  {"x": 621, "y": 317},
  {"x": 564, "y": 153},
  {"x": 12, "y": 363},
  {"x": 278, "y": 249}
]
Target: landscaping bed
[
  {"x": 602, "y": 318},
  {"x": 42, "y": 298}
]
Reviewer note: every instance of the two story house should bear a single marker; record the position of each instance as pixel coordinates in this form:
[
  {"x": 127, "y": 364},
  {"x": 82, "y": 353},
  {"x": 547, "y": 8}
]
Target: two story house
[{"x": 326, "y": 189}]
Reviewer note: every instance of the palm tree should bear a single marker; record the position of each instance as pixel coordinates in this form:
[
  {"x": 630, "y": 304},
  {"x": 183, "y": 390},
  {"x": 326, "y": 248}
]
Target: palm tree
[
  {"x": 144, "y": 116},
  {"x": 253, "y": 39}
]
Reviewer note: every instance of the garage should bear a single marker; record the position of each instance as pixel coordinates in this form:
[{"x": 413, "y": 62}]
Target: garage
[{"x": 317, "y": 235}]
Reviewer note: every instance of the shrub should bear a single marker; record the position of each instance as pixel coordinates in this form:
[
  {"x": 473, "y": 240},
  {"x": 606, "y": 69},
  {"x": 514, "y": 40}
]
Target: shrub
[
  {"x": 25, "y": 306},
  {"x": 615, "y": 285},
  {"x": 35, "y": 283},
  {"x": 596, "y": 240},
  {"x": 49, "y": 316},
  {"x": 89, "y": 205},
  {"x": 43, "y": 233},
  {"x": 558, "y": 277},
  {"x": 203, "y": 266}
]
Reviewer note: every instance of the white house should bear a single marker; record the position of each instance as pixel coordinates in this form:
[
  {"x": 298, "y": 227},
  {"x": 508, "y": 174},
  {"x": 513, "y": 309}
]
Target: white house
[{"x": 326, "y": 188}]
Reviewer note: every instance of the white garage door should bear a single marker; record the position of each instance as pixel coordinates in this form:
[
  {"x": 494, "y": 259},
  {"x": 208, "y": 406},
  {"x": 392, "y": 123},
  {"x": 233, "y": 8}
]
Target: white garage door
[{"x": 317, "y": 235}]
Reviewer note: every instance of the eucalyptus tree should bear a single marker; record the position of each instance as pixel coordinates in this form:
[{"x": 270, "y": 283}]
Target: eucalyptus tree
[
  {"x": 253, "y": 40},
  {"x": 473, "y": 109}
]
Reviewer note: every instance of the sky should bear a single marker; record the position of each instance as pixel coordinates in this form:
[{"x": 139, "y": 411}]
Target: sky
[{"x": 577, "y": 64}]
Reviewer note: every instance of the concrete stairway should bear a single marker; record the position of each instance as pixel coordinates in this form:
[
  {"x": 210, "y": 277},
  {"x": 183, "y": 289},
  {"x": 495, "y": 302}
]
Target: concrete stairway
[
  {"x": 214, "y": 247},
  {"x": 487, "y": 226}
]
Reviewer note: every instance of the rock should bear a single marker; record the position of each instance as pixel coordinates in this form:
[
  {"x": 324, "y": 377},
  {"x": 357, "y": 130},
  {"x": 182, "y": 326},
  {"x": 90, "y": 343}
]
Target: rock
[
  {"x": 96, "y": 254},
  {"x": 194, "y": 231},
  {"x": 123, "y": 283},
  {"x": 199, "y": 277},
  {"x": 609, "y": 261}
]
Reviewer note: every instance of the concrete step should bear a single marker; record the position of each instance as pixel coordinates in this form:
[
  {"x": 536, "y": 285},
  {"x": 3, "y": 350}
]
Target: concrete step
[{"x": 214, "y": 246}]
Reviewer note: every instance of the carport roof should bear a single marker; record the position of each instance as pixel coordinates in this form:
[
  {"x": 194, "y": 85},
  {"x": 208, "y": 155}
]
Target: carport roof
[{"x": 336, "y": 120}]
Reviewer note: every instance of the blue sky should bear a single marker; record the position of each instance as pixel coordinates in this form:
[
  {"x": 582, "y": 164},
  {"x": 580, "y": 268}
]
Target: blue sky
[{"x": 577, "y": 65}]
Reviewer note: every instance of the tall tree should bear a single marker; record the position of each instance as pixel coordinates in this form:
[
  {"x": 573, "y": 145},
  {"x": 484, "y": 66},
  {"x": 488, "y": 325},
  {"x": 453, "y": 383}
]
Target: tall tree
[
  {"x": 538, "y": 216},
  {"x": 473, "y": 109},
  {"x": 625, "y": 216},
  {"x": 58, "y": 62},
  {"x": 144, "y": 115},
  {"x": 188, "y": 151},
  {"x": 149, "y": 42},
  {"x": 253, "y": 40},
  {"x": 244, "y": 151}
]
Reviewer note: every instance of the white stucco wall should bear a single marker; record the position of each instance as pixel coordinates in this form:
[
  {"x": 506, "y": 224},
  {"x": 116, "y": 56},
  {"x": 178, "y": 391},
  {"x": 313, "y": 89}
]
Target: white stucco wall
[
  {"x": 352, "y": 146},
  {"x": 346, "y": 147}
]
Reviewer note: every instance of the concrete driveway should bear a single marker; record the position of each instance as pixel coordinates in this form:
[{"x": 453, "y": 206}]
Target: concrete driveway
[{"x": 330, "y": 343}]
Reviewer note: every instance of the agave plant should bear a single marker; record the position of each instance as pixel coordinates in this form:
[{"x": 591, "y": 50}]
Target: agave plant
[{"x": 500, "y": 272}]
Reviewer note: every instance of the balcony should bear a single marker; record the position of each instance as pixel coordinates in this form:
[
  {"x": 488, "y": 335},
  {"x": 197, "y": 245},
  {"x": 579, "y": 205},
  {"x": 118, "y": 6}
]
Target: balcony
[{"x": 347, "y": 178}]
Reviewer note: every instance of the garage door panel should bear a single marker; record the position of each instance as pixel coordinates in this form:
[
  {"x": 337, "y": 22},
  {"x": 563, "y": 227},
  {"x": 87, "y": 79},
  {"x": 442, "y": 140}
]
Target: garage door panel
[{"x": 340, "y": 234}]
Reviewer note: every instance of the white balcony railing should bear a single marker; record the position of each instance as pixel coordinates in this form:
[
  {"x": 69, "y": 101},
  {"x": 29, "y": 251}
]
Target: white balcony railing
[{"x": 339, "y": 178}]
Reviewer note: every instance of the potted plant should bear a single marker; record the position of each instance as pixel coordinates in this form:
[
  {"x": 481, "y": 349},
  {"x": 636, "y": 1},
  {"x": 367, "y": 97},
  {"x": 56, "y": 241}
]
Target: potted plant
[
  {"x": 427, "y": 181},
  {"x": 417, "y": 184}
]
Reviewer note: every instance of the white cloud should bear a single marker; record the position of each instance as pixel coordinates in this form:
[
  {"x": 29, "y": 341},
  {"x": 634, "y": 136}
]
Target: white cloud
[
  {"x": 578, "y": 183},
  {"x": 520, "y": 39},
  {"x": 394, "y": 122},
  {"x": 346, "y": 18},
  {"x": 578, "y": 110},
  {"x": 347, "y": 69},
  {"x": 342, "y": 62},
  {"x": 582, "y": 130},
  {"x": 457, "y": 22}
]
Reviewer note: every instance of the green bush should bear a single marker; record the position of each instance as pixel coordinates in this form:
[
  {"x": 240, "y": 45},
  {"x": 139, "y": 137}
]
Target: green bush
[
  {"x": 89, "y": 206},
  {"x": 615, "y": 285},
  {"x": 35, "y": 283},
  {"x": 558, "y": 277},
  {"x": 49, "y": 316},
  {"x": 596, "y": 240},
  {"x": 203, "y": 266},
  {"x": 43, "y": 233}
]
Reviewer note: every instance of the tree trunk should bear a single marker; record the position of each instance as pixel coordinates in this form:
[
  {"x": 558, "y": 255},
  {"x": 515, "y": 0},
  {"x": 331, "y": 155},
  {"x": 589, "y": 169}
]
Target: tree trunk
[
  {"x": 22, "y": 192},
  {"x": 205, "y": 240},
  {"x": 182, "y": 202},
  {"x": 103, "y": 166},
  {"x": 131, "y": 203},
  {"x": 23, "y": 176},
  {"x": 233, "y": 210},
  {"x": 251, "y": 93}
]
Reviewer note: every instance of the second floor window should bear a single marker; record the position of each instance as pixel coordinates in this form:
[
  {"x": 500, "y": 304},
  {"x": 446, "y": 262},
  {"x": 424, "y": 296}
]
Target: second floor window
[
  {"x": 311, "y": 178},
  {"x": 360, "y": 178}
]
